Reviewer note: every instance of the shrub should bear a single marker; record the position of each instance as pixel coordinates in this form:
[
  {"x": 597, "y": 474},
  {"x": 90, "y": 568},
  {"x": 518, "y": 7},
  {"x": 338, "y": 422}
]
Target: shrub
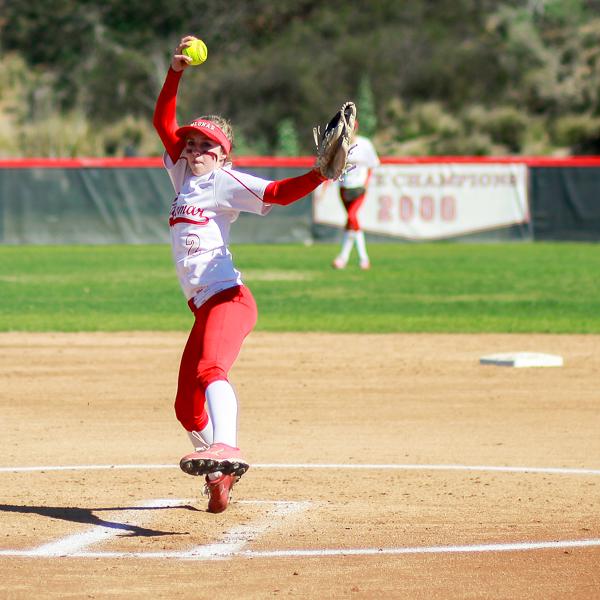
[
  {"x": 506, "y": 125},
  {"x": 365, "y": 104},
  {"x": 287, "y": 139},
  {"x": 476, "y": 144},
  {"x": 572, "y": 130},
  {"x": 580, "y": 133}
]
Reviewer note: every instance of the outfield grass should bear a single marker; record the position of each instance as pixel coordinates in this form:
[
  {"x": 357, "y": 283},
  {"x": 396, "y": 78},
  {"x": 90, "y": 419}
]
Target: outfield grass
[{"x": 517, "y": 287}]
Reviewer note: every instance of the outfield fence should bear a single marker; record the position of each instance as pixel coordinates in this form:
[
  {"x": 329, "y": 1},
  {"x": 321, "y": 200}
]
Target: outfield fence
[{"x": 109, "y": 201}]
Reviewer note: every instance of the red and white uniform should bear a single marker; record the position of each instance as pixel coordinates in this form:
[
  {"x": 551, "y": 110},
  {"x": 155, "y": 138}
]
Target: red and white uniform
[
  {"x": 362, "y": 158},
  {"x": 200, "y": 221}
]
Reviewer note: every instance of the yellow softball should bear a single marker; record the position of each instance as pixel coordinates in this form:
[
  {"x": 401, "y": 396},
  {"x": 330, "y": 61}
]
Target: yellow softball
[{"x": 197, "y": 51}]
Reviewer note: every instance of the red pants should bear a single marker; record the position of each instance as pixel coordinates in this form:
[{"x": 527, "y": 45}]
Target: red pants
[
  {"x": 214, "y": 343},
  {"x": 353, "y": 199}
]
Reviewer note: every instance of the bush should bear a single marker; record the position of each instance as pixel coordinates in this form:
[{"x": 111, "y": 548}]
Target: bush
[
  {"x": 428, "y": 118},
  {"x": 287, "y": 139},
  {"x": 506, "y": 125},
  {"x": 476, "y": 144},
  {"x": 130, "y": 136},
  {"x": 573, "y": 130},
  {"x": 365, "y": 104},
  {"x": 57, "y": 136}
]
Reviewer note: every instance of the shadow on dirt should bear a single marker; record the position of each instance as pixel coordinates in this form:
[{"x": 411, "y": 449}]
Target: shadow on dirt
[{"x": 86, "y": 515}]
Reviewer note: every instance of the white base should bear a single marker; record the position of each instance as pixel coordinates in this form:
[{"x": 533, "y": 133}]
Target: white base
[{"x": 522, "y": 359}]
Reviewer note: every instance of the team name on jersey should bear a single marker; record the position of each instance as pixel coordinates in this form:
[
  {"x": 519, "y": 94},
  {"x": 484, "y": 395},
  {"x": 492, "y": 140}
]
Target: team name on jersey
[{"x": 187, "y": 214}]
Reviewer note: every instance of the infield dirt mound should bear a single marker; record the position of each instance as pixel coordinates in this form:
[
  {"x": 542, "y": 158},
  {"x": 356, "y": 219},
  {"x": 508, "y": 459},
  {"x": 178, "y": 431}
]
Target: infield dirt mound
[{"x": 413, "y": 400}]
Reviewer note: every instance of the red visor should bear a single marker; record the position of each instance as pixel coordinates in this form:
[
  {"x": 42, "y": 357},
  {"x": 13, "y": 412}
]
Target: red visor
[{"x": 207, "y": 128}]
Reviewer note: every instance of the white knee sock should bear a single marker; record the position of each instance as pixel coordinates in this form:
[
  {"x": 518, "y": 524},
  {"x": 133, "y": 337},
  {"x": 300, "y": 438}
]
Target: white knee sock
[
  {"x": 202, "y": 439},
  {"x": 361, "y": 246},
  {"x": 347, "y": 243},
  {"x": 222, "y": 409}
]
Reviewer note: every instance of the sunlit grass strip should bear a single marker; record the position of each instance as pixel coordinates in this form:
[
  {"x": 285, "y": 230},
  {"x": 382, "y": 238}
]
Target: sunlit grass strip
[{"x": 518, "y": 287}]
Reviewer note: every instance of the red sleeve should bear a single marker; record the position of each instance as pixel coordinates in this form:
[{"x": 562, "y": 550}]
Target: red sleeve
[
  {"x": 286, "y": 191},
  {"x": 165, "y": 121}
]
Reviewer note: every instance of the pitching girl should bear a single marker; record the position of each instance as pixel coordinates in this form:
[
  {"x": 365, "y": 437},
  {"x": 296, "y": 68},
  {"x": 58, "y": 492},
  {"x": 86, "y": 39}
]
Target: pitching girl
[{"x": 209, "y": 197}]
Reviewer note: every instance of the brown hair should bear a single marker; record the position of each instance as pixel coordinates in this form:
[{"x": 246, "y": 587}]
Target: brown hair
[{"x": 223, "y": 124}]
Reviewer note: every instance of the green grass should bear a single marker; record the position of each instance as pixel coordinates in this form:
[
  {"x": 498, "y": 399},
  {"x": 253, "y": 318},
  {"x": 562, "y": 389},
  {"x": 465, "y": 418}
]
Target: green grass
[{"x": 439, "y": 287}]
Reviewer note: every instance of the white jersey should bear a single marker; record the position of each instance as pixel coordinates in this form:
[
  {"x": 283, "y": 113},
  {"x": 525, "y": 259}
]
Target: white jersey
[
  {"x": 362, "y": 157},
  {"x": 200, "y": 220}
]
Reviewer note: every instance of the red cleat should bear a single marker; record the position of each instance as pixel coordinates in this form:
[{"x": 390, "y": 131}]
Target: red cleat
[
  {"x": 219, "y": 457},
  {"x": 219, "y": 492}
]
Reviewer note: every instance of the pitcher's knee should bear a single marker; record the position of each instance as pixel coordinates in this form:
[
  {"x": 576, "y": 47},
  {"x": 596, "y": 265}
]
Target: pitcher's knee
[
  {"x": 186, "y": 416},
  {"x": 209, "y": 373}
]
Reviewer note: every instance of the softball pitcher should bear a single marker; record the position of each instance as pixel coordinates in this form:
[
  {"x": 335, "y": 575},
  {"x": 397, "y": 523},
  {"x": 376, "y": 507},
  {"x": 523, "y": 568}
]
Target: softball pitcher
[{"x": 210, "y": 195}]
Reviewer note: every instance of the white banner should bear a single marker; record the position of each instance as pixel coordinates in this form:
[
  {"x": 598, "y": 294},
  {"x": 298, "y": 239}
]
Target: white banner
[{"x": 433, "y": 201}]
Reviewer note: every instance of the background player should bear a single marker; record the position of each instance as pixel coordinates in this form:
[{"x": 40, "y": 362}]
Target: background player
[
  {"x": 362, "y": 159},
  {"x": 209, "y": 197}
]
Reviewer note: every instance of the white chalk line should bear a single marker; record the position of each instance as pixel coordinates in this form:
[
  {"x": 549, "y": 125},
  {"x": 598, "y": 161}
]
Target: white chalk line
[
  {"x": 231, "y": 544},
  {"x": 74, "y": 543},
  {"x": 476, "y": 548},
  {"x": 235, "y": 539},
  {"x": 334, "y": 466},
  {"x": 226, "y": 551}
]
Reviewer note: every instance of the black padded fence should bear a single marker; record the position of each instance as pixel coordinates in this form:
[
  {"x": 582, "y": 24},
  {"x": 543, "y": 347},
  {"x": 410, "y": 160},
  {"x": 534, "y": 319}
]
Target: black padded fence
[
  {"x": 565, "y": 203},
  {"x": 120, "y": 205},
  {"x": 98, "y": 201}
]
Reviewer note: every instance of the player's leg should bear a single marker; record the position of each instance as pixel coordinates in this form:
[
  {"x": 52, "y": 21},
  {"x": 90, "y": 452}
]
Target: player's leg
[
  {"x": 190, "y": 401},
  {"x": 352, "y": 199},
  {"x": 226, "y": 322},
  {"x": 359, "y": 236},
  {"x": 361, "y": 247},
  {"x": 202, "y": 439},
  {"x": 228, "y": 318},
  {"x": 340, "y": 261}
]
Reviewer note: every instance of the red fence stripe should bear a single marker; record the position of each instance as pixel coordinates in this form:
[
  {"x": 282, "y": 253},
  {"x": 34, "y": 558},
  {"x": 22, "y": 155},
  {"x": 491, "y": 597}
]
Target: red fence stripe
[
  {"x": 79, "y": 163},
  {"x": 299, "y": 161},
  {"x": 140, "y": 163},
  {"x": 532, "y": 161}
]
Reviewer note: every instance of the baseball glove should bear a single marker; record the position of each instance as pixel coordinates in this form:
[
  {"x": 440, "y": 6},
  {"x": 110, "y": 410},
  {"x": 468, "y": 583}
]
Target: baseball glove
[{"x": 333, "y": 143}]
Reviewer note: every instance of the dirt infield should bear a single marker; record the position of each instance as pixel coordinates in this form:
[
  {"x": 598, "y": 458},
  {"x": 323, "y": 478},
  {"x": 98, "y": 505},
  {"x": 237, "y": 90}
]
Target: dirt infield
[{"x": 383, "y": 466}]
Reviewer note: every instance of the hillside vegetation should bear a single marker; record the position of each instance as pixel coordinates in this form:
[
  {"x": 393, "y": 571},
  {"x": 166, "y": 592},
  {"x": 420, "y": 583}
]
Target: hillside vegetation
[{"x": 480, "y": 77}]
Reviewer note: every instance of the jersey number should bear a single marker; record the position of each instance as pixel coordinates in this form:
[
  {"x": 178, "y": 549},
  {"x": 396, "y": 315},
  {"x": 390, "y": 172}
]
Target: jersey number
[{"x": 192, "y": 241}]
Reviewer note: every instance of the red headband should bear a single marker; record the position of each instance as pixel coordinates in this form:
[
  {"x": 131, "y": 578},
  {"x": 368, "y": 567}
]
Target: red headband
[{"x": 209, "y": 129}]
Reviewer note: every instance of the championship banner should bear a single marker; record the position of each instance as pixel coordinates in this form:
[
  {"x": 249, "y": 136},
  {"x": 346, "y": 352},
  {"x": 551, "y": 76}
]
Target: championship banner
[{"x": 433, "y": 201}]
